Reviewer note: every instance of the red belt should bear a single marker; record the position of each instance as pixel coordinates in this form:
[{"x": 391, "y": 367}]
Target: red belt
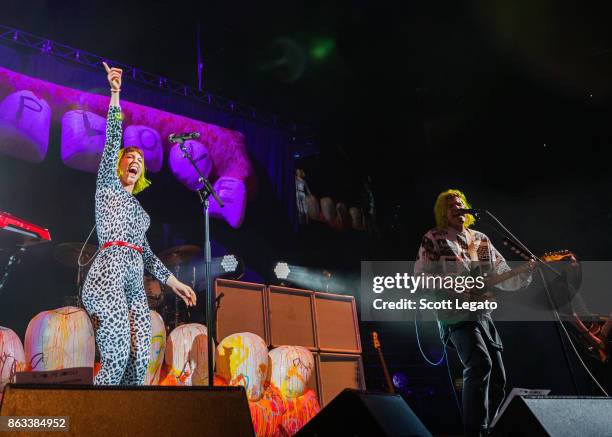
[{"x": 121, "y": 243}]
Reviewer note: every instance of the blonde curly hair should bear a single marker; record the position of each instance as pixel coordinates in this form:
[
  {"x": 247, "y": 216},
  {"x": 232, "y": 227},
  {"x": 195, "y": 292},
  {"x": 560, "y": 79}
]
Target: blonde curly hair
[{"x": 441, "y": 208}]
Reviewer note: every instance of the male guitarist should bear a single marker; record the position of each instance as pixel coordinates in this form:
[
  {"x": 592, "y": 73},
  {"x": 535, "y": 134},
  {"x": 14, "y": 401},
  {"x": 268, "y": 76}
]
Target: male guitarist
[{"x": 452, "y": 247}]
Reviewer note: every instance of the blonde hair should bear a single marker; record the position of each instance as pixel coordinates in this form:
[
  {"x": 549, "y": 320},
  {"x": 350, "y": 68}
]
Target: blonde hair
[
  {"x": 142, "y": 181},
  {"x": 441, "y": 208}
]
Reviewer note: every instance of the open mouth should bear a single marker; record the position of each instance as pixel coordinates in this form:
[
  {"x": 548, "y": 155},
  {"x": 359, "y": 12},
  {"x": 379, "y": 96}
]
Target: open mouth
[{"x": 133, "y": 170}]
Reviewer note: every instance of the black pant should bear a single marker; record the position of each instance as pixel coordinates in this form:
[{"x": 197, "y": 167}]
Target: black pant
[{"x": 484, "y": 377}]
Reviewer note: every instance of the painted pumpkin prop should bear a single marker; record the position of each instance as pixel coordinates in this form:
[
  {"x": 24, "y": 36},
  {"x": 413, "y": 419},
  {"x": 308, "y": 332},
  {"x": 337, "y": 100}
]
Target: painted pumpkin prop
[
  {"x": 186, "y": 354},
  {"x": 291, "y": 369},
  {"x": 60, "y": 339},
  {"x": 242, "y": 359}
]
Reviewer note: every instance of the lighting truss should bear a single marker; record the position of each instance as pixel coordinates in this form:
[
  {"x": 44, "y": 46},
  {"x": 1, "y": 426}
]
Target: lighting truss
[{"x": 48, "y": 47}]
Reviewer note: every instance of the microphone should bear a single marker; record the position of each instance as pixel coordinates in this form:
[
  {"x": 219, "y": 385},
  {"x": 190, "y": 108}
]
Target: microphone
[
  {"x": 472, "y": 211},
  {"x": 179, "y": 138}
]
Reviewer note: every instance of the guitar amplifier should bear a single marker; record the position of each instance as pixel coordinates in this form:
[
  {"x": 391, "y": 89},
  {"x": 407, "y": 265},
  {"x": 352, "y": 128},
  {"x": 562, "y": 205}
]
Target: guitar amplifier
[
  {"x": 242, "y": 308},
  {"x": 292, "y": 319},
  {"x": 337, "y": 372},
  {"x": 337, "y": 323}
]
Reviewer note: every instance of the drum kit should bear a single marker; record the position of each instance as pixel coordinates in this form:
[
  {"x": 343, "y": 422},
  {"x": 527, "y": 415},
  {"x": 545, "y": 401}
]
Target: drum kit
[{"x": 160, "y": 298}]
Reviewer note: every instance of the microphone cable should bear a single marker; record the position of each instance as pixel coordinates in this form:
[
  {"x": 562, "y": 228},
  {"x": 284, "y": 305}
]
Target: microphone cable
[
  {"x": 554, "y": 311},
  {"x": 443, "y": 357}
]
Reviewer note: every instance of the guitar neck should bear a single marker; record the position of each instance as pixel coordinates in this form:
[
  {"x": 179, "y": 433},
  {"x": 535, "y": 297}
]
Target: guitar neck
[
  {"x": 494, "y": 280},
  {"x": 383, "y": 363},
  {"x": 548, "y": 257}
]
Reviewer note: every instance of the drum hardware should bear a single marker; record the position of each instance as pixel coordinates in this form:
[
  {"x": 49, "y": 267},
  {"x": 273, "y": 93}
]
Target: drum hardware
[
  {"x": 177, "y": 255},
  {"x": 68, "y": 254},
  {"x": 176, "y": 259},
  {"x": 154, "y": 292}
]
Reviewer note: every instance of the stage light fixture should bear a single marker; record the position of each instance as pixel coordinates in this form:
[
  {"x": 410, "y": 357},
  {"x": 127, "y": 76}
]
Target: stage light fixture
[
  {"x": 282, "y": 270},
  {"x": 229, "y": 263}
]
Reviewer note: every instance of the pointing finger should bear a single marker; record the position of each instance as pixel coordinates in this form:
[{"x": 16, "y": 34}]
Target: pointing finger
[{"x": 106, "y": 67}]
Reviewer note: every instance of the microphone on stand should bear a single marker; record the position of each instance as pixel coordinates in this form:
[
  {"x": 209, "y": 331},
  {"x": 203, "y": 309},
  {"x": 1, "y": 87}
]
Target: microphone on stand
[
  {"x": 472, "y": 211},
  {"x": 179, "y": 138}
]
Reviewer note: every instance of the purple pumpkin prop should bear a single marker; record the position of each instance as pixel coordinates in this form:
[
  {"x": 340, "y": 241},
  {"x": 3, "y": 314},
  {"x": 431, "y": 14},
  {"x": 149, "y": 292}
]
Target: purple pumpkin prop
[
  {"x": 181, "y": 167},
  {"x": 149, "y": 141},
  {"x": 25, "y": 121},
  {"x": 232, "y": 193},
  {"x": 83, "y": 135}
]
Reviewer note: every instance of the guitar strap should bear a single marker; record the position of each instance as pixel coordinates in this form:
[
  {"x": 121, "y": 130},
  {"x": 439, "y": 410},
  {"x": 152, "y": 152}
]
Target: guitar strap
[
  {"x": 477, "y": 265},
  {"x": 472, "y": 247}
]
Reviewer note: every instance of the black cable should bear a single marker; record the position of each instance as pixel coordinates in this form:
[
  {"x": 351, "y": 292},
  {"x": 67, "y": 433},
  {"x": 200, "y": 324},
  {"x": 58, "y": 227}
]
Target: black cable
[
  {"x": 444, "y": 357},
  {"x": 558, "y": 322},
  {"x": 450, "y": 377}
]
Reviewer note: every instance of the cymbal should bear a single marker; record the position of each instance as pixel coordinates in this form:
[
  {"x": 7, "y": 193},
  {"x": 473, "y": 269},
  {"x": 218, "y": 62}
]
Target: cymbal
[
  {"x": 68, "y": 253},
  {"x": 176, "y": 255}
]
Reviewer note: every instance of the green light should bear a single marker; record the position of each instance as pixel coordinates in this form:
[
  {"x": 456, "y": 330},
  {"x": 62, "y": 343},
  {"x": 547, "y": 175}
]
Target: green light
[{"x": 321, "y": 48}]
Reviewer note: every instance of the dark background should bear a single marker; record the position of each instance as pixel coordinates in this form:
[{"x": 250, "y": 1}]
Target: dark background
[{"x": 508, "y": 102}]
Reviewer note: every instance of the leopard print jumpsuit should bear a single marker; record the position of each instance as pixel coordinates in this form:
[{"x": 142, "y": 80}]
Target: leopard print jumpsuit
[{"x": 114, "y": 293}]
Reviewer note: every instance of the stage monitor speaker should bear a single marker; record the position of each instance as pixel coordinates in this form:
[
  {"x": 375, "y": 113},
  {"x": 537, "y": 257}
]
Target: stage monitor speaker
[
  {"x": 558, "y": 416},
  {"x": 360, "y": 414},
  {"x": 337, "y": 323},
  {"x": 242, "y": 308},
  {"x": 103, "y": 411},
  {"x": 291, "y": 317}
]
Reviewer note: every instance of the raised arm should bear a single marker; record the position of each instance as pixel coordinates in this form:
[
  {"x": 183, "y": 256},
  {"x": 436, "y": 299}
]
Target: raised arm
[{"x": 107, "y": 172}]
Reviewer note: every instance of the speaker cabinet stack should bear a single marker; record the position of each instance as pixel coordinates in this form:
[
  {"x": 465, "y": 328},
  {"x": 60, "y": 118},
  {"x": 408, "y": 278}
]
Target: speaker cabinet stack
[{"x": 324, "y": 323}]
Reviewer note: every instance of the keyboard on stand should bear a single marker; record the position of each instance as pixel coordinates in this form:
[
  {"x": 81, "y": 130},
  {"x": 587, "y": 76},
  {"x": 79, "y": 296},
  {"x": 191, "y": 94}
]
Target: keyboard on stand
[{"x": 16, "y": 235}]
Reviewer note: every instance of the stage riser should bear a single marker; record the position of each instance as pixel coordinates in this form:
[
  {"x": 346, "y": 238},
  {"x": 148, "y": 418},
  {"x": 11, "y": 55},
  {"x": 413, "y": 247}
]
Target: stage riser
[{"x": 131, "y": 411}]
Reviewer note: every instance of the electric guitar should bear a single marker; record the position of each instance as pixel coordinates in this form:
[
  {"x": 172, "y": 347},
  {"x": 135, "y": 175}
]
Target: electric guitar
[
  {"x": 487, "y": 293},
  {"x": 594, "y": 337},
  {"x": 376, "y": 344},
  {"x": 493, "y": 280}
]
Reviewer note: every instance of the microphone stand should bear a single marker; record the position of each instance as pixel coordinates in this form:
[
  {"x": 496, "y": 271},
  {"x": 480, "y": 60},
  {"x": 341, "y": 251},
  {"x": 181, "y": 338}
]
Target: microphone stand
[
  {"x": 204, "y": 194},
  {"x": 13, "y": 260},
  {"x": 505, "y": 232}
]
